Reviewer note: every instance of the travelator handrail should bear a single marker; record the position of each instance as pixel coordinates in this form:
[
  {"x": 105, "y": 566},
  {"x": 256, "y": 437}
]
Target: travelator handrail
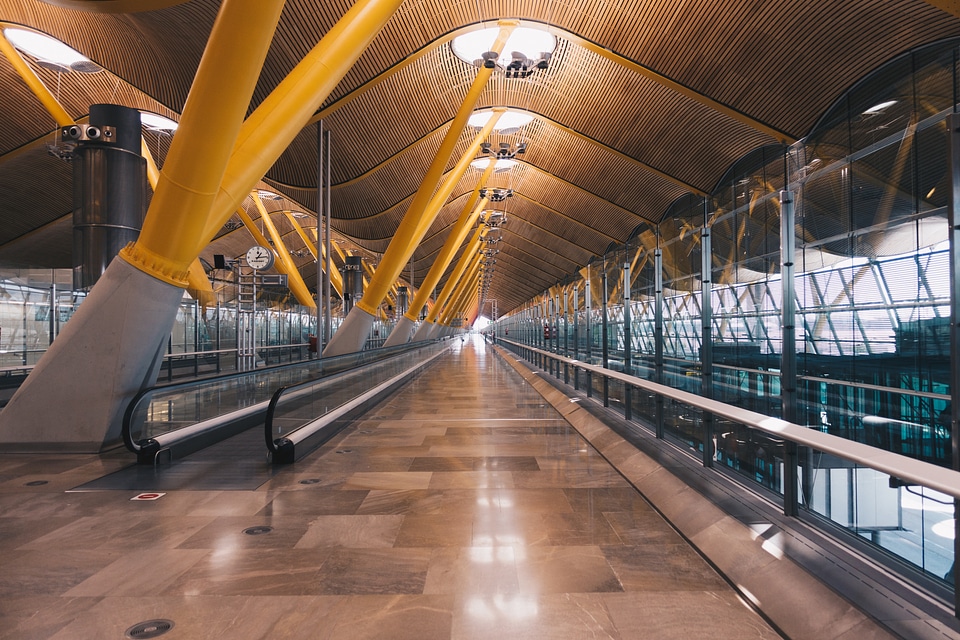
[
  {"x": 320, "y": 366},
  {"x": 929, "y": 475},
  {"x": 283, "y": 449}
]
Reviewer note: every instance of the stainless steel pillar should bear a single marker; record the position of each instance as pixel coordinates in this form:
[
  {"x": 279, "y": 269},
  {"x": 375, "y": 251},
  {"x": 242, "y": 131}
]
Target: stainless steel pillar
[
  {"x": 109, "y": 189},
  {"x": 706, "y": 338},
  {"x": 953, "y": 216},
  {"x": 627, "y": 339}
]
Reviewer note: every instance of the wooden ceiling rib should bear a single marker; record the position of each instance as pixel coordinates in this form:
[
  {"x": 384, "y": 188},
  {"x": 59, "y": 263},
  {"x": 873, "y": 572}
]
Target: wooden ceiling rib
[{"x": 609, "y": 148}]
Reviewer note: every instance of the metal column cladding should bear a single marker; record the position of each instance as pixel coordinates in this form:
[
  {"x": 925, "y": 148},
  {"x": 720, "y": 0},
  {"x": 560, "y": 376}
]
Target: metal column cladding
[
  {"x": 352, "y": 282},
  {"x": 109, "y": 189},
  {"x": 401, "y": 301}
]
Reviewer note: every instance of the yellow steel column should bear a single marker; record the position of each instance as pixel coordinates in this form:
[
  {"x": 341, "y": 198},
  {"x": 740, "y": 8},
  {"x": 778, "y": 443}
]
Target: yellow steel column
[
  {"x": 471, "y": 211},
  {"x": 35, "y": 84},
  {"x": 353, "y": 332},
  {"x": 300, "y": 232},
  {"x": 418, "y": 219},
  {"x": 207, "y": 132},
  {"x": 294, "y": 280},
  {"x": 464, "y": 285},
  {"x": 462, "y": 296},
  {"x": 467, "y": 259},
  {"x": 282, "y": 115}
]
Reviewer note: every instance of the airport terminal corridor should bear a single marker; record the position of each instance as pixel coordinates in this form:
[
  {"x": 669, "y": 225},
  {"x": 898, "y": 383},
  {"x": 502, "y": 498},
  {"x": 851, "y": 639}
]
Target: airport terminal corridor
[{"x": 463, "y": 506}]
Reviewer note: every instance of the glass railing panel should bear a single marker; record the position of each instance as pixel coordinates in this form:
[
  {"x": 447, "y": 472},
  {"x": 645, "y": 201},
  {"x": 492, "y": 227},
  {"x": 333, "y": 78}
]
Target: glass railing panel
[
  {"x": 911, "y": 522},
  {"x": 304, "y": 403}
]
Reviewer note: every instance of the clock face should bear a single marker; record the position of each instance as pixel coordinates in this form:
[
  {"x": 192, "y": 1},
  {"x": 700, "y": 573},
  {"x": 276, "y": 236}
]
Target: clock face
[{"x": 259, "y": 258}]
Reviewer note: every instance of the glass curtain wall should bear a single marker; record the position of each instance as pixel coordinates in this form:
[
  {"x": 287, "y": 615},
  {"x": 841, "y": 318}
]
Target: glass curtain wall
[{"x": 872, "y": 264}]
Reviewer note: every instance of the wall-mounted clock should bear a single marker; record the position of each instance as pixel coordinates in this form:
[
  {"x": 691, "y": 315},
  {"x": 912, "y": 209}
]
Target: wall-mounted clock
[{"x": 259, "y": 258}]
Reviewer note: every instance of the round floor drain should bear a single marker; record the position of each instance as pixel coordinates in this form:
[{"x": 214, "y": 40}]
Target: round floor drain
[
  {"x": 150, "y": 629},
  {"x": 36, "y": 483},
  {"x": 310, "y": 481},
  {"x": 344, "y": 451},
  {"x": 257, "y": 531}
]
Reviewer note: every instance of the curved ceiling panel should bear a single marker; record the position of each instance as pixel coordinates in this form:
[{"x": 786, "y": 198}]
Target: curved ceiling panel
[{"x": 641, "y": 103}]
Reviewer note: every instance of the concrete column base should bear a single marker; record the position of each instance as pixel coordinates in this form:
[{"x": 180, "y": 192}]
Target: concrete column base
[
  {"x": 74, "y": 398},
  {"x": 423, "y": 331},
  {"x": 401, "y": 332},
  {"x": 352, "y": 334}
]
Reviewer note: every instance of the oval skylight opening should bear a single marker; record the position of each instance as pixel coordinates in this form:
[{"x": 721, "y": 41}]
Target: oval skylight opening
[
  {"x": 156, "y": 122},
  {"x": 524, "y": 41},
  {"x": 47, "y": 49},
  {"x": 509, "y": 122},
  {"x": 503, "y": 164}
]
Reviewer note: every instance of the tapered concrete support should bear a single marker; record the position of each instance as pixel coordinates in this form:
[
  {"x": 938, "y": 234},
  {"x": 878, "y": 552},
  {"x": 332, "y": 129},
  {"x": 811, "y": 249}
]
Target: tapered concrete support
[
  {"x": 122, "y": 326},
  {"x": 401, "y": 333},
  {"x": 423, "y": 331}
]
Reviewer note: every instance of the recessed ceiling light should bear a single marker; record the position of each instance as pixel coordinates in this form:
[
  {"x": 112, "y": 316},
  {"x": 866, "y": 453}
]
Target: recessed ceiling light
[
  {"x": 268, "y": 195},
  {"x": 524, "y": 41},
  {"x": 47, "y": 49},
  {"x": 156, "y": 122}
]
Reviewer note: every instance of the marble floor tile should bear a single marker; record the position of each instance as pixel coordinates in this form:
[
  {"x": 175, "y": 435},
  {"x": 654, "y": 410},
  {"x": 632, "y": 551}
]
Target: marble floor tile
[
  {"x": 662, "y": 567},
  {"x": 409, "y": 502},
  {"x": 254, "y": 572},
  {"x": 313, "y": 503},
  {"x": 373, "y": 571},
  {"x": 359, "y": 531},
  {"x": 534, "y": 617},
  {"x": 685, "y": 615},
  {"x": 50, "y": 572},
  {"x": 462, "y": 507},
  {"x": 565, "y": 570},
  {"x": 389, "y": 480},
  {"x": 473, "y": 570},
  {"x": 41, "y": 617}
]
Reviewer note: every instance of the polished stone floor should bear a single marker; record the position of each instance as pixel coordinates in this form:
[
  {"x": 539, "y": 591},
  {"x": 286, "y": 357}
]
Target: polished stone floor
[{"x": 462, "y": 507}]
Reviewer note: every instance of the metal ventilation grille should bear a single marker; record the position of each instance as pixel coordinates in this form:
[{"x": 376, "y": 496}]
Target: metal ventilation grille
[{"x": 149, "y": 629}]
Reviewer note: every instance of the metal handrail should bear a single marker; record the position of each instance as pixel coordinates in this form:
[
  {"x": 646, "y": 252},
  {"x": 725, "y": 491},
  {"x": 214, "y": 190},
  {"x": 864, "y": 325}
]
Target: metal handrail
[
  {"x": 135, "y": 446},
  {"x": 307, "y": 429},
  {"x": 918, "y": 472}
]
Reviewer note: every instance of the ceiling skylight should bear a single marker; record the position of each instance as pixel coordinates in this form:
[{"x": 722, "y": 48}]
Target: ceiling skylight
[
  {"x": 49, "y": 51},
  {"x": 532, "y": 44},
  {"x": 504, "y": 164},
  {"x": 508, "y": 122},
  {"x": 156, "y": 122}
]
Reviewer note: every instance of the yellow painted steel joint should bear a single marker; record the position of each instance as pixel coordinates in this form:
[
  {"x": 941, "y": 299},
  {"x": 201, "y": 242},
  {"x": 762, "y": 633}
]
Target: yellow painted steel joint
[{"x": 160, "y": 267}]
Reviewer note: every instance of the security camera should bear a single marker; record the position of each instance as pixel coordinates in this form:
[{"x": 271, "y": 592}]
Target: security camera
[{"x": 73, "y": 132}]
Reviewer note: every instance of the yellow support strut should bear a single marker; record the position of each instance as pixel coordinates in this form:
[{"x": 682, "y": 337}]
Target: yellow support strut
[
  {"x": 207, "y": 132},
  {"x": 406, "y": 238},
  {"x": 466, "y": 258},
  {"x": 294, "y": 280},
  {"x": 471, "y": 211}
]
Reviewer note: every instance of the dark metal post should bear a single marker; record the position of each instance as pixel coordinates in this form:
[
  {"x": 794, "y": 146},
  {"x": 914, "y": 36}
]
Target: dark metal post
[
  {"x": 627, "y": 339},
  {"x": 788, "y": 349},
  {"x": 589, "y": 331},
  {"x": 953, "y": 215},
  {"x": 706, "y": 340},
  {"x": 658, "y": 331},
  {"x": 604, "y": 351}
]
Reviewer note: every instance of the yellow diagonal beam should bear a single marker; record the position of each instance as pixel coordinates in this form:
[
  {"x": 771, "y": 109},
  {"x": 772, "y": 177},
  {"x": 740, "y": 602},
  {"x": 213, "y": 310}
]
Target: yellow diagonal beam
[
  {"x": 471, "y": 211},
  {"x": 414, "y": 226},
  {"x": 35, "y": 84},
  {"x": 199, "y": 154},
  {"x": 465, "y": 260},
  {"x": 285, "y": 112},
  {"x": 294, "y": 280}
]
